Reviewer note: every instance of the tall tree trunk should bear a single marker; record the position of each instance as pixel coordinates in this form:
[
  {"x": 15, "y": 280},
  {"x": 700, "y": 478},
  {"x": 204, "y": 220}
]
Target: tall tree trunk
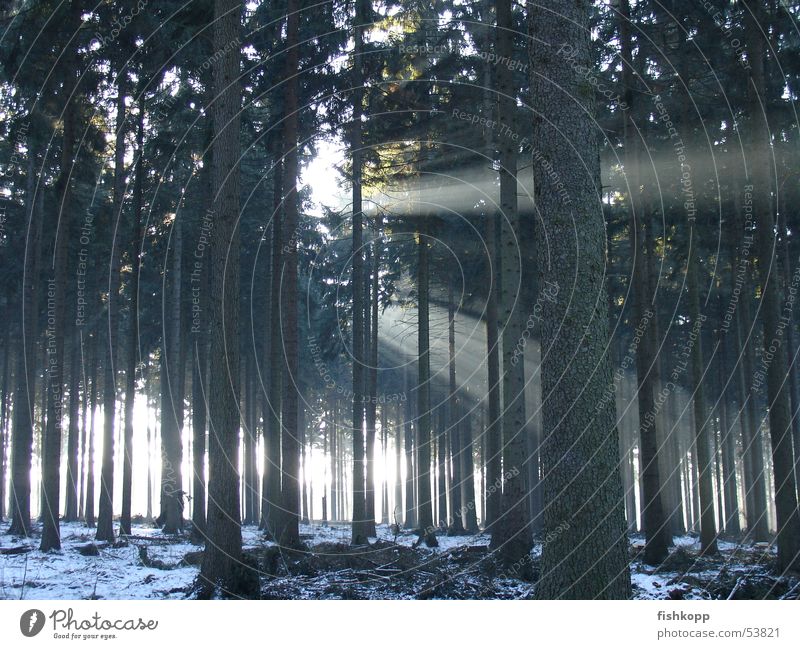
[
  {"x": 791, "y": 344},
  {"x": 755, "y": 481},
  {"x": 728, "y": 437},
  {"x": 223, "y": 567},
  {"x": 774, "y": 320},
  {"x": 6, "y": 397},
  {"x": 90, "y": 488},
  {"x": 150, "y": 400},
  {"x": 371, "y": 355},
  {"x": 397, "y": 509},
  {"x": 512, "y": 537},
  {"x": 172, "y": 407},
  {"x": 702, "y": 460},
  {"x": 655, "y": 524},
  {"x": 361, "y": 528},
  {"x": 468, "y": 478},
  {"x": 587, "y": 557},
  {"x": 304, "y": 469},
  {"x": 334, "y": 435},
  {"x": 56, "y": 306},
  {"x": 25, "y": 377},
  {"x": 423, "y": 438},
  {"x": 200, "y": 282},
  {"x": 105, "y": 525},
  {"x": 271, "y": 499},
  {"x": 439, "y": 462},
  {"x": 289, "y": 535},
  {"x": 410, "y": 516},
  {"x": 454, "y": 422},
  {"x": 132, "y": 347},
  {"x": 73, "y": 434},
  {"x": 250, "y": 442},
  {"x": 384, "y": 456}
]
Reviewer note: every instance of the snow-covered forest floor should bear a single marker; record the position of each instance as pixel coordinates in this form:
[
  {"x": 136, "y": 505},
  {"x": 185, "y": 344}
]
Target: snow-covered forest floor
[{"x": 150, "y": 565}]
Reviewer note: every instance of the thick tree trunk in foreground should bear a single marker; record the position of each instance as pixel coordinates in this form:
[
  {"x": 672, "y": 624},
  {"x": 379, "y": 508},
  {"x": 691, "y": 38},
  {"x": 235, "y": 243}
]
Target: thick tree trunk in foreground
[
  {"x": 587, "y": 556},
  {"x": 773, "y": 313},
  {"x": 223, "y": 568},
  {"x": 289, "y": 532}
]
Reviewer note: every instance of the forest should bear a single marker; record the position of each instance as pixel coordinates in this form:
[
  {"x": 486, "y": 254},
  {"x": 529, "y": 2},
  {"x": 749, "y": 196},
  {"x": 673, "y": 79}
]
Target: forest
[{"x": 397, "y": 299}]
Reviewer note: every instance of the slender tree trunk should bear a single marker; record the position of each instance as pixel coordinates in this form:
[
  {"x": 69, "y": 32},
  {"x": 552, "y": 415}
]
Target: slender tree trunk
[
  {"x": 334, "y": 445},
  {"x": 105, "y": 525},
  {"x": 655, "y": 524},
  {"x": 512, "y": 537},
  {"x": 57, "y": 308},
  {"x": 468, "y": 479},
  {"x": 4, "y": 417},
  {"x": 397, "y": 510},
  {"x": 423, "y": 438},
  {"x": 587, "y": 557},
  {"x": 384, "y": 455},
  {"x": 304, "y": 443},
  {"x": 251, "y": 493},
  {"x": 708, "y": 531},
  {"x": 73, "y": 434},
  {"x": 25, "y": 378},
  {"x": 371, "y": 355},
  {"x": 493, "y": 433},
  {"x": 408, "y": 438},
  {"x": 361, "y": 527},
  {"x": 90, "y": 489},
  {"x": 132, "y": 347},
  {"x": 755, "y": 482},
  {"x": 455, "y": 424},
  {"x": 172, "y": 407},
  {"x": 289, "y": 533},
  {"x": 271, "y": 496},
  {"x": 728, "y": 439},
  {"x": 441, "y": 460}
]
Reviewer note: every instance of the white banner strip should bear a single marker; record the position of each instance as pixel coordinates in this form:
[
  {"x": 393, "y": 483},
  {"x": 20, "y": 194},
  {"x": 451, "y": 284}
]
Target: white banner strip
[{"x": 397, "y": 624}]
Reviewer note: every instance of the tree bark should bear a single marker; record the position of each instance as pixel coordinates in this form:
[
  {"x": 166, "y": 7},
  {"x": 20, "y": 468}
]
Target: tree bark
[
  {"x": 25, "y": 377},
  {"x": 454, "y": 422},
  {"x": 289, "y": 533},
  {"x": 223, "y": 568},
  {"x": 360, "y": 527},
  {"x": 132, "y": 348},
  {"x": 56, "y": 306},
  {"x": 512, "y": 537},
  {"x": 773, "y": 315},
  {"x": 105, "y": 525},
  {"x": 73, "y": 434},
  {"x": 587, "y": 556}
]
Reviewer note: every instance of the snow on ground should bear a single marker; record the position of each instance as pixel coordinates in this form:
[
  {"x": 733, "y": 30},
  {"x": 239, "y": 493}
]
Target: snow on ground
[{"x": 118, "y": 572}]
